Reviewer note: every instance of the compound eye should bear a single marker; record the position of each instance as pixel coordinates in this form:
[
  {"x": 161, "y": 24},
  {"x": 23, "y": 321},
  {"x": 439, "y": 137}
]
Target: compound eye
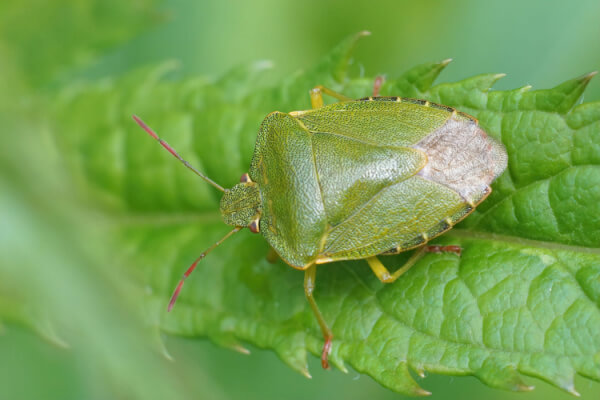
[
  {"x": 254, "y": 227},
  {"x": 245, "y": 178}
]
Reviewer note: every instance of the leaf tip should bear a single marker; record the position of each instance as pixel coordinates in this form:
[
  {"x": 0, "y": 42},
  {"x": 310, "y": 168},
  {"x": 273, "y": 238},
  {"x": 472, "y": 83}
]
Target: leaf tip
[
  {"x": 445, "y": 62},
  {"x": 165, "y": 353},
  {"x": 588, "y": 77},
  {"x": 524, "y": 388},
  {"x": 339, "y": 59},
  {"x": 46, "y": 330},
  {"x": 420, "y": 371},
  {"x": 306, "y": 374},
  {"x": 564, "y": 97},
  {"x": 56, "y": 340},
  {"x": 240, "y": 349},
  {"x": 339, "y": 364},
  {"x": 567, "y": 383},
  {"x": 422, "y": 392},
  {"x": 571, "y": 390},
  {"x": 159, "y": 344},
  {"x": 486, "y": 84},
  {"x": 420, "y": 78}
]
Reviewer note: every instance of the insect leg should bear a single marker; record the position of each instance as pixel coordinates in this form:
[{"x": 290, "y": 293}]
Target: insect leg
[
  {"x": 382, "y": 272},
  {"x": 386, "y": 277},
  {"x": 377, "y": 85},
  {"x": 433, "y": 248},
  {"x": 272, "y": 256},
  {"x": 316, "y": 96},
  {"x": 309, "y": 287}
]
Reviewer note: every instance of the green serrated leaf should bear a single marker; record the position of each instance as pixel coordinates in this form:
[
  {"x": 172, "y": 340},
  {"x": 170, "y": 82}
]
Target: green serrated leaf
[
  {"x": 522, "y": 300},
  {"x": 418, "y": 80}
]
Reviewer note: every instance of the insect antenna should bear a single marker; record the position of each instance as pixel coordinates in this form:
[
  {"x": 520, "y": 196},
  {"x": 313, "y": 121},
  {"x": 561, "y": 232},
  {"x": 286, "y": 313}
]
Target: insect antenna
[
  {"x": 172, "y": 151},
  {"x": 193, "y": 266}
]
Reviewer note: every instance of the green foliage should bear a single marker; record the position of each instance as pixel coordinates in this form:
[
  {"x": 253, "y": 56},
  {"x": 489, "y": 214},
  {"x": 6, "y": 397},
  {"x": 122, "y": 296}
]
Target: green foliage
[
  {"x": 523, "y": 299},
  {"x": 45, "y": 38}
]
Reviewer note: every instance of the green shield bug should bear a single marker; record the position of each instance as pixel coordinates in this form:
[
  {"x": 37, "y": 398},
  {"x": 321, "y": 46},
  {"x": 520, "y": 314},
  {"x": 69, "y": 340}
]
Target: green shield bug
[{"x": 357, "y": 179}]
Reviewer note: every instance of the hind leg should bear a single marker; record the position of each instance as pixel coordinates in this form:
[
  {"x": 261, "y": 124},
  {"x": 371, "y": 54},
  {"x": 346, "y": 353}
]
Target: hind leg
[{"x": 386, "y": 277}]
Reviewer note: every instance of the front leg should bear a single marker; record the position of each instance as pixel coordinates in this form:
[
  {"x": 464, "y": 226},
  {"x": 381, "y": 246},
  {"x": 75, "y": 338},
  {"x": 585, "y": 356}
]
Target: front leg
[
  {"x": 316, "y": 93},
  {"x": 316, "y": 96}
]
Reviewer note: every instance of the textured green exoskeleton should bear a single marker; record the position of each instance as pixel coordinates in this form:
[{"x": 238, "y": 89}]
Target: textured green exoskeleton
[{"x": 357, "y": 179}]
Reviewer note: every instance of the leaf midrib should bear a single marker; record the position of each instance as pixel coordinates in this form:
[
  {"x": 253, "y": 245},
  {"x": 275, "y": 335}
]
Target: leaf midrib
[
  {"x": 483, "y": 235},
  {"x": 165, "y": 218},
  {"x": 162, "y": 219}
]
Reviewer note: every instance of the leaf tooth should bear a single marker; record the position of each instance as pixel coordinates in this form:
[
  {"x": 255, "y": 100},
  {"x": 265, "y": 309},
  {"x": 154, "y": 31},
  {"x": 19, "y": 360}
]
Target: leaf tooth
[
  {"x": 306, "y": 373},
  {"x": 524, "y": 89},
  {"x": 159, "y": 344},
  {"x": 571, "y": 390},
  {"x": 501, "y": 374},
  {"x": 402, "y": 381},
  {"x": 507, "y": 100},
  {"x": 419, "y": 79},
  {"x": 423, "y": 392},
  {"x": 558, "y": 371},
  {"x": 471, "y": 92},
  {"x": 229, "y": 341},
  {"x": 336, "y": 359},
  {"x": 339, "y": 58},
  {"x": 330, "y": 71},
  {"x": 420, "y": 371},
  {"x": 518, "y": 91},
  {"x": 483, "y": 82},
  {"x": 479, "y": 83},
  {"x": 241, "y": 349},
  {"x": 46, "y": 330},
  {"x": 585, "y": 113},
  {"x": 238, "y": 347},
  {"x": 295, "y": 358},
  {"x": 567, "y": 384},
  {"x": 589, "y": 76},
  {"x": 524, "y": 388},
  {"x": 292, "y": 351},
  {"x": 561, "y": 98}
]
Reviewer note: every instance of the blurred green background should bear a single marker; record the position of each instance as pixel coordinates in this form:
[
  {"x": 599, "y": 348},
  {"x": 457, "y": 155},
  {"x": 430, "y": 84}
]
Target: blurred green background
[{"x": 54, "y": 264}]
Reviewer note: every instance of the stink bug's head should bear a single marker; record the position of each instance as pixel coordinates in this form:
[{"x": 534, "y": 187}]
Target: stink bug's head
[{"x": 240, "y": 205}]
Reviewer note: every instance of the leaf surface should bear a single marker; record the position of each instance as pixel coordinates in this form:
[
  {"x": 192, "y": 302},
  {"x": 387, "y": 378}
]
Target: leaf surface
[{"x": 522, "y": 300}]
